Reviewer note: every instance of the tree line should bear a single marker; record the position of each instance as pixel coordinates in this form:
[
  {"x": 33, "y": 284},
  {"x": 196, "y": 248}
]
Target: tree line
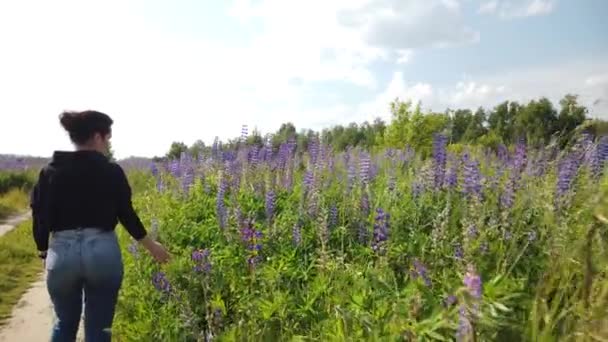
[{"x": 537, "y": 123}]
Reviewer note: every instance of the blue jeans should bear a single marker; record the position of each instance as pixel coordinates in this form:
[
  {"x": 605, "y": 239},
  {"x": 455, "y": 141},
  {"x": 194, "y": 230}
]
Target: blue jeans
[{"x": 84, "y": 260}]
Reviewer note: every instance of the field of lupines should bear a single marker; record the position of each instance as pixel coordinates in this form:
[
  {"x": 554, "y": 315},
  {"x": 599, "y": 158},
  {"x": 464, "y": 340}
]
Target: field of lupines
[
  {"x": 373, "y": 245},
  {"x": 285, "y": 244}
]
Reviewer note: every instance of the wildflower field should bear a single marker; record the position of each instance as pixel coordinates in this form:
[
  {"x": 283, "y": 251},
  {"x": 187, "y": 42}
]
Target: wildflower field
[{"x": 302, "y": 244}]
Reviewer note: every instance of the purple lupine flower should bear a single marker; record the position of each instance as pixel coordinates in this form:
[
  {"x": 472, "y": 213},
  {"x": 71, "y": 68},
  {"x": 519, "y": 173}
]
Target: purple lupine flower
[
  {"x": 484, "y": 248},
  {"x": 417, "y": 189},
  {"x": 216, "y": 321},
  {"x": 365, "y": 209},
  {"x": 352, "y": 174},
  {"x": 154, "y": 169},
  {"x": 331, "y": 163},
  {"x": 174, "y": 168},
  {"x": 262, "y": 154},
  {"x": 161, "y": 283},
  {"x": 458, "y": 252},
  {"x": 284, "y": 155},
  {"x": 520, "y": 157},
  {"x": 220, "y": 206},
  {"x": 502, "y": 153},
  {"x": 603, "y": 149},
  {"x": 381, "y": 228},
  {"x": 539, "y": 167},
  {"x": 270, "y": 204},
  {"x": 599, "y": 157},
  {"x": 313, "y": 204},
  {"x": 333, "y": 215},
  {"x": 252, "y": 239},
  {"x": 507, "y": 196},
  {"x": 187, "y": 179},
  {"x": 132, "y": 248},
  {"x": 464, "y": 324},
  {"x": 362, "y": 233},
  {"x": 254, "y": 156},
  {"x": 440, "y": 159},
  {"x": 313, "y": 149},
  {"x": 451, "y": 177},
  {"x": 566, "y": 173},
  {"x": 297, "y": 233},
  {"x": 373, "y": 170},
  {"x": 420, "y": 271},
  {"x": 364, "y": 167},
  {"x": 244, "y": 133},
  {"x": 472, "y": 177},
  {"x": 449, "y": 301},
  {"x": 472, "y": 231},
  {"x": 268, "y": 149},
  {"x": 201, "y": 261},
  {"x": 346, "y": 155},
  {"x": 309, "y": 181},
  {"x": 473, "y": 283}
]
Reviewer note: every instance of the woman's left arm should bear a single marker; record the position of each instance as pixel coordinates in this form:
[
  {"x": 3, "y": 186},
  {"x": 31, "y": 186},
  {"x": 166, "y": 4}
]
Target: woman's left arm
[{"x": 39, "y": 206}]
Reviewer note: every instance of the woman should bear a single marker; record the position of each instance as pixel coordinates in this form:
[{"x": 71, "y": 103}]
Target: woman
[{"x": 78, "y": 200}]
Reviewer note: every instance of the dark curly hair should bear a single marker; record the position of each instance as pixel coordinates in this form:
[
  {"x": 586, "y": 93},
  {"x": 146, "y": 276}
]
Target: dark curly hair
[{"x": 82, "y": 126}]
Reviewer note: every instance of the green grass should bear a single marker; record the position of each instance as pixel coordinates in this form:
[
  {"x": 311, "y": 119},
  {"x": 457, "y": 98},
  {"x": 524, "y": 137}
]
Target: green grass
[
  {"x": 12, "y": 202},
  {"x": 19, "y": 267}
]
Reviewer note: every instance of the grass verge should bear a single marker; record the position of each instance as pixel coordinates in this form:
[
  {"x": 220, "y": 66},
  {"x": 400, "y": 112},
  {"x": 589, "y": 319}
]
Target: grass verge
[
  {"x": 12, "y": 202},
  {"x": 19, "y": 267}
]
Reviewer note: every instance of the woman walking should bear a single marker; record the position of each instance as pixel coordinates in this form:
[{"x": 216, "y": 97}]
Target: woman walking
[{"x": 76, "y": 203}]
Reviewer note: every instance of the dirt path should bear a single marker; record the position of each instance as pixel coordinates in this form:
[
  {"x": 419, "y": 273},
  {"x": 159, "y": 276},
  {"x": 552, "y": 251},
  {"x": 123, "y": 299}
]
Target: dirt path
[
  {"x": 32, "y": 318},
  {"x": 13, "y": 221}
]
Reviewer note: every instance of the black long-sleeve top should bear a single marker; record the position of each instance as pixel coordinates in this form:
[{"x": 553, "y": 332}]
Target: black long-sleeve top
[{"x": 82, "y": 189}]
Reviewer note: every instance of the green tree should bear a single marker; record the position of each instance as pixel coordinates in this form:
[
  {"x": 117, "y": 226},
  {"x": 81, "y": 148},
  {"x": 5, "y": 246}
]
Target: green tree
[
  {"x": 571, "y": 115},
  {"x": 460, "y": 122},
  {"x": 397, "y": 131},
  {"x": 502, "y": 120},
  {"x": 176, "y": 150},
  {"x": 285, "y": 132},
  {"x": 536, "y": 121},
  {"x": 197, "y": 148},
  {"x": 476, "y": 128},
  {"x": 413, "y": 128}
]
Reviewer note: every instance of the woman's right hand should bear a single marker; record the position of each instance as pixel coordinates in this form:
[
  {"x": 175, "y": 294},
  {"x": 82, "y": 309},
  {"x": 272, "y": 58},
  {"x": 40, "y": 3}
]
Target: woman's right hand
[{"x": 158, "y": 251}]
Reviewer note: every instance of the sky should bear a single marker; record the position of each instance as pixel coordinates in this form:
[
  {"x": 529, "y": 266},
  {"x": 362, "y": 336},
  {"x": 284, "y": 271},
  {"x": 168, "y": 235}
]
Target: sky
[{"x": 184, "y": 70}]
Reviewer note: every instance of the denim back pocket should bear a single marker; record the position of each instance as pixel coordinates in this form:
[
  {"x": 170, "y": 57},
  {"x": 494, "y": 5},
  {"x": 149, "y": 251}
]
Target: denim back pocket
[
  {"x": 102, "y": 256},
  {"x": 57, "y": 254}
]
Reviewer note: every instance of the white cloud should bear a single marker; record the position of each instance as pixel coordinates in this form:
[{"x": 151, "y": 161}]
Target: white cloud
[
  {"x": 471, "y": 94},
  {"x": 404, "y": 56},
  {"x": 588, "y": 80},
  {"x": 539, "y": 7},
  {"x": 394, "y": 25},
  {"x": 510, "y": 9},
  {"x": 397, "y": 88},
  {"x": 597, "y": 80},
  {"x": 488, "y": 7}
]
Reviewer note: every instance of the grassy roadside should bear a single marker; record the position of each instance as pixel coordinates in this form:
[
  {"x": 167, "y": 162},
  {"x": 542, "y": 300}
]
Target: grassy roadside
[
  {"x": 19, "y": 267},
  {"x": 12, "y": 202}
]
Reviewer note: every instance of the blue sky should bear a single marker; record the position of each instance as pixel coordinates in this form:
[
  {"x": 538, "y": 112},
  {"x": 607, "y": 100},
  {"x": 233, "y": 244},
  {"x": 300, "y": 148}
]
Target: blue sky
[{"x": 186, "y": 70}]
